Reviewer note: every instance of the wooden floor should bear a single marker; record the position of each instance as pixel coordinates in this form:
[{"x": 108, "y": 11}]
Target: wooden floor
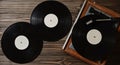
[{"x": 12, "y": 11}]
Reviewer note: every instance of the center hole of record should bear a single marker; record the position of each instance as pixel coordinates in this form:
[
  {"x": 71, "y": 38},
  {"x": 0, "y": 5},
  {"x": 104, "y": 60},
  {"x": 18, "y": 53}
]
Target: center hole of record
[
  {"x": 94, "y": 36},
  {"x": 21, "y": 42},
  {"x": 51, "y": 20}
]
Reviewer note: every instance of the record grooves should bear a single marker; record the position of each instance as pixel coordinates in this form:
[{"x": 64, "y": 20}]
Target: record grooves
[
  {"x": 20, "y": 43},
  {"x": 96, "y": 39},
  {"x": 52, "y": 19}
]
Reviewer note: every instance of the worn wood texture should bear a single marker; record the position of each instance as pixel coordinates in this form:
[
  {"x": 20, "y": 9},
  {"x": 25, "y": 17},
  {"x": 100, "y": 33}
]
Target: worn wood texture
[{"x": 12, "y": 11}]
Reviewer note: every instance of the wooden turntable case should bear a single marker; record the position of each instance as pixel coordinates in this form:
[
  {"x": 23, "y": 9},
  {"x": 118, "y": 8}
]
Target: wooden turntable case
[{"x": 68, "y": 47}]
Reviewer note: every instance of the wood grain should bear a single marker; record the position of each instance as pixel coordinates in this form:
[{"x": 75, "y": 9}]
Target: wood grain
[{"x": 12, "y": 11}]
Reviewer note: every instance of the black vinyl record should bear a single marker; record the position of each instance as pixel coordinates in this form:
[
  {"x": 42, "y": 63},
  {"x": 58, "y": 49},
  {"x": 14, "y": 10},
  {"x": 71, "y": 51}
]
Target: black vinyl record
[
  {"x": 20, "y": 43},
  {"x": 52, "y": 19},
  {"x": 94, "y": 38}
]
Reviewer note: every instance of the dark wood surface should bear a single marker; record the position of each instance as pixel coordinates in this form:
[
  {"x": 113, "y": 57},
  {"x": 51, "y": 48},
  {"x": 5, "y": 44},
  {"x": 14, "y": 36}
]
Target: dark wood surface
[{"x": 12, "y": 11}]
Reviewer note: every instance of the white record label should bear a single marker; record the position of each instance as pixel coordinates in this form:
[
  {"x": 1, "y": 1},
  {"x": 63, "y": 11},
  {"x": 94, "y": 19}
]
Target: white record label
[
  {"x": 21, "y": 42},
  {"x": 51, "y": 20},
  {"x": 94, "y": 36}
]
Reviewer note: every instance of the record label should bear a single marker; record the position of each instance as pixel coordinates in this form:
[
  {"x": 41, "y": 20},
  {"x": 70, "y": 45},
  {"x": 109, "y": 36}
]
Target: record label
[
  {"x": 21, "y": 42},
  {"x": 51, "y": 20},
  {"x": 94, "y": 36}
]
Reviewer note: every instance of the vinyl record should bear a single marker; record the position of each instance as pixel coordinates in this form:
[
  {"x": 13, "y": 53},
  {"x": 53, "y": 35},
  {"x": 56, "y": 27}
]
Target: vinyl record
[
  {"x": 94, "y": 38},
  {"x": 52, "y": 19},
  {"x": 20, "y": 43}
]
